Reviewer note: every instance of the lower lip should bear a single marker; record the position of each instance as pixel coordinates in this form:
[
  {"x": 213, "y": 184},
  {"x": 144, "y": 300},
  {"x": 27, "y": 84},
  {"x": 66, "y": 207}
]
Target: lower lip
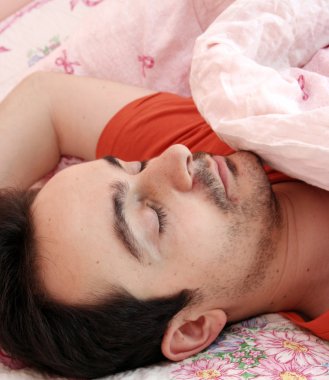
[{"x": 222, "y": 169}]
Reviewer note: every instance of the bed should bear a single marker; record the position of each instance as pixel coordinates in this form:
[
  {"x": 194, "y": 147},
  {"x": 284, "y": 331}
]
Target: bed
[{"x": 82, "y": 37}]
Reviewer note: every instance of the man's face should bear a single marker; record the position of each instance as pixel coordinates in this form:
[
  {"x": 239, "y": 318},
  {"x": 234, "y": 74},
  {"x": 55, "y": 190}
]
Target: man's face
[{"x": 180, "y": 222}]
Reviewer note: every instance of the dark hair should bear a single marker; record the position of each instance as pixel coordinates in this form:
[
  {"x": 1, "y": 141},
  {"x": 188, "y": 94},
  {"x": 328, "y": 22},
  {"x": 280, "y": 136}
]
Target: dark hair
[{"x": 118, "y": 333}]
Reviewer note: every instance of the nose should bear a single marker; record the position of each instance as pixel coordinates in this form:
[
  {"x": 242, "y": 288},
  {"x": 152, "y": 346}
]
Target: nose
[{"x": 172, "y": 170}]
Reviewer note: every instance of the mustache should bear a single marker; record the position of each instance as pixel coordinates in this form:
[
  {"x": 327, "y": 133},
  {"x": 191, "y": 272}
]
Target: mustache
[
  {"x": 200, "y": 155},
  {"x": 230, "y": 164},
  {"x": 213, "y": 190}
]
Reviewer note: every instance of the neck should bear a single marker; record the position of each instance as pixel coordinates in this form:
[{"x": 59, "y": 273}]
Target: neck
[
  {"x": 306, "y": 211},
  {"x": 298, "y": 278},
  {"x": 303, "y": 253}
]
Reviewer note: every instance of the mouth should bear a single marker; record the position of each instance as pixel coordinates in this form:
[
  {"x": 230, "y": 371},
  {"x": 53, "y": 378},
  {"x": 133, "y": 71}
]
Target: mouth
[{"x": 222, "y": 171}]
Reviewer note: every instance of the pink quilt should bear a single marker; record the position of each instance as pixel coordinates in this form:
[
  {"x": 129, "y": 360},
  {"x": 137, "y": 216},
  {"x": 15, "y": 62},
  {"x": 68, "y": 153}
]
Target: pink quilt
[{"x": 260, "y": 78}]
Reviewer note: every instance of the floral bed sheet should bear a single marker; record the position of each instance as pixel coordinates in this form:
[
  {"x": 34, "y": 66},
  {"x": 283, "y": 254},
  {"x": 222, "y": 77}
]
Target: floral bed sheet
[{"x": 266, "y": 347}]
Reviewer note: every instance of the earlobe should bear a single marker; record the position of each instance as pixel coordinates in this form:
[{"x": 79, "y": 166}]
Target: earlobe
[{"x": 186, "y": 337}]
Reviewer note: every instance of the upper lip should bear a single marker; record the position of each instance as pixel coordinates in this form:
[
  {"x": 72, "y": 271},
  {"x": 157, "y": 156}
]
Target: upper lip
[{"x": 220, "y": 172}]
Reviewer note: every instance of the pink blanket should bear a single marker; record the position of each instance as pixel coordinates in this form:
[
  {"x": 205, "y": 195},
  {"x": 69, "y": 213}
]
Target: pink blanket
[
  {"x": 139, "y": 42},
  {"x": 260, "y": 78}
]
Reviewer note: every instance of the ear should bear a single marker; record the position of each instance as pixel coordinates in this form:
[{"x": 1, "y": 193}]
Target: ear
[{"x": 186, "y": 337}]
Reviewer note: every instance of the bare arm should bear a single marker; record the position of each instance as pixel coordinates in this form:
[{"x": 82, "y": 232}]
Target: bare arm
[
  {"x": 48, "y": 115},
  {"x": 8, "y": 7}
]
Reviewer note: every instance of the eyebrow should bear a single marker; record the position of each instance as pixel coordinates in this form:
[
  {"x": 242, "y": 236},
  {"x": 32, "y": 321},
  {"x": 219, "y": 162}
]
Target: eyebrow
[{"x": 121, "y": 227}]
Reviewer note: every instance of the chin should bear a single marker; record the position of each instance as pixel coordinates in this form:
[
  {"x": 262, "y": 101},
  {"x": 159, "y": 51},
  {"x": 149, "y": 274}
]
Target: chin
[
  {"x": 248, "y": 163},
  {"x": 251, "y": 181},
  {"x": 249, "y": 156}
]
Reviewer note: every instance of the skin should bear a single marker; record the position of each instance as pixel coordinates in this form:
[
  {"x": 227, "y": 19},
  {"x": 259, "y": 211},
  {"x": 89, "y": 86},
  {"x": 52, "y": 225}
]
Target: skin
[{"x": 81, "y": 255}]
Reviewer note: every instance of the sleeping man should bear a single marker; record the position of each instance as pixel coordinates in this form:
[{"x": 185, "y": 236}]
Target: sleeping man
[{"x": 121, "y": 262}]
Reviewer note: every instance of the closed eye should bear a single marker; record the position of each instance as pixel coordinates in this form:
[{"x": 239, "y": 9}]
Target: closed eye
[{"x": 161, "y": 215}]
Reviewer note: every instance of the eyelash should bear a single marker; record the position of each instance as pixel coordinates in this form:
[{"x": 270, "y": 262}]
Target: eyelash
[{"x": 162, "y": 217}]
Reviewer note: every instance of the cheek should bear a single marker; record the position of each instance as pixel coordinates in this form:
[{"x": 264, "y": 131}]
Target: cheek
[
  {"x": 192, "y": 248},
  {"x": 200, "y": 242},
  {"x": 203, "y": 232}
]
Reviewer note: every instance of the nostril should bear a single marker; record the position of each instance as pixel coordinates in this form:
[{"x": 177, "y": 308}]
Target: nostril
[{"x": 189, "y": 163}]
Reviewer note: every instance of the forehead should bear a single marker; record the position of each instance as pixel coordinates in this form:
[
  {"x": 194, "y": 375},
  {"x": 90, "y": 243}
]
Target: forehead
[{"x": 71, "y": 233}]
